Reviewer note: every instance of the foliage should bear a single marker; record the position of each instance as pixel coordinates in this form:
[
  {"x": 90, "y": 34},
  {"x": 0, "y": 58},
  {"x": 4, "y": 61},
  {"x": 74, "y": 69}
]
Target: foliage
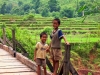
[
  {"x": 89, "y": 73},
  {"x": 45, "y": 12},
  {"x": 55, "y": 14},
  {"x": 53, "y": 5},
  {"x": 42, "y": 7},
  {"x": 48, "y": 30},
  {"x": 67, "y": 12},
  {"x": 29, "y": 17},
  {"x": 36, "y": 5},
  {"x": 26, "y": 7},
  {"x": 82, "y": 49},
  {"x": 3, "y": 25},
  {"x": 3, "y": 8},
  {"x": 1, "y": 33}
]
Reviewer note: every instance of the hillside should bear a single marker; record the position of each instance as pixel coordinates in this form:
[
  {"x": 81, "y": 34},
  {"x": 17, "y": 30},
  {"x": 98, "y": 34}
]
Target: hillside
[{"x": 49, "y": 8}]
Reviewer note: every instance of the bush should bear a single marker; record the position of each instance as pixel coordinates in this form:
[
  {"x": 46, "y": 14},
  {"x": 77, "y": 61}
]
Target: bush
[
  {"x": 29, "y": 17},
  {"x": 82, "y": 49},
  {"x": 45, "y": 12},
  {"x": 55, "y": 14},
  {"x": 3, "y": 25},
  {"x": 48, "y": 30}
]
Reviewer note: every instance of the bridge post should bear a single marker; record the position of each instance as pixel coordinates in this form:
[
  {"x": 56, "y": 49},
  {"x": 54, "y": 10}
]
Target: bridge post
[
  {"x": 4, "y": 36},
  {"x": 66, "y": 60},
  {"x": 13, "y": 40}
]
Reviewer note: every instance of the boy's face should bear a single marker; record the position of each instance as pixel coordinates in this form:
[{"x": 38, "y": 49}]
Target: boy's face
[
  {"x": 43, "y": 38},
  {"x": 55, "y": 24}
]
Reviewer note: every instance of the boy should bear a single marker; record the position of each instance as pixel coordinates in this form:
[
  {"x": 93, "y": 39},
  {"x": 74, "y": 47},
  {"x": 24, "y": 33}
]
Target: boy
[
  {"x": 40, "y": 53},
  {"x": 55, "y": 44}
]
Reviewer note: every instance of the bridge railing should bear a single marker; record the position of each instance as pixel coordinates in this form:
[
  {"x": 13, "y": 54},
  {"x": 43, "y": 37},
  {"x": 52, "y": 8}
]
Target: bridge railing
[{"x": 14, "y": 43}]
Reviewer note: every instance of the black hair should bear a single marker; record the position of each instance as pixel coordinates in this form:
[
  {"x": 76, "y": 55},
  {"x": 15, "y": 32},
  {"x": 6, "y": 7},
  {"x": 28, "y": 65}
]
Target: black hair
[
  {"x": 43, "y": 33},
  {"x": 58, "y": 20}
]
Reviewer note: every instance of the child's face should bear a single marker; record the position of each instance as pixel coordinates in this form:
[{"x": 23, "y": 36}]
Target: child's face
[
  {"x": 55, "y": 24},
  {"x": 44, "y": 38}
]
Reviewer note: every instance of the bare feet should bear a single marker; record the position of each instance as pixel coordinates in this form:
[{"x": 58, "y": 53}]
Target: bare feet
[{"x": 53, "y": 74}]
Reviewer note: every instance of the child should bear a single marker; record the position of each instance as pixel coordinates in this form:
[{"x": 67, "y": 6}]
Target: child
[
  {"x": 55, "y": 44},
  {"x": 40, "y": 53}
]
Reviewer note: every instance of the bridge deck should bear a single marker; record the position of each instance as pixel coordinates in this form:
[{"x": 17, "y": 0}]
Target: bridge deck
[{"x": 11, "y": 66}]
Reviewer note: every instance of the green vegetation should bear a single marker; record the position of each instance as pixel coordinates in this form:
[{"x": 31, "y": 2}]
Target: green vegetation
[{"x": 50, "y": 8}]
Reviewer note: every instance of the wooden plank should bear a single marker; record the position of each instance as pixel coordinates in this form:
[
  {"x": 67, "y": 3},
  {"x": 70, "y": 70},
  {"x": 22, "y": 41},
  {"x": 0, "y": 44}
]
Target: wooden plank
[
  {"x": 11, "y": 66},
  {"x": 72, "y": 70},
  {"x": 20, "y": 73},
  {"x": 49, "y": 64},
  {"x": 9, "y": 42},
  {"x": 16, "y": 70},
  {"x": 1, "y": 40}
]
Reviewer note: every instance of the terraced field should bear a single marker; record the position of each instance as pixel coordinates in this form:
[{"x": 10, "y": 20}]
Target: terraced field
[{"x": 71, "y": 28}]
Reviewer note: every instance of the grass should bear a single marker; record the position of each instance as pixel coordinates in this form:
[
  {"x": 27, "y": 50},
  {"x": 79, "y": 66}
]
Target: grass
[{"x": 72, "y": 39}]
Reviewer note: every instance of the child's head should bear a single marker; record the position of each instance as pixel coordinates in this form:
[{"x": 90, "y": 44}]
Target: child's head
[
  {"x": 56, "y": 23},
  {"x": 43, "y": 37}
]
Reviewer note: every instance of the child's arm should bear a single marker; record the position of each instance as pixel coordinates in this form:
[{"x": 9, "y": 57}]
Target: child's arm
[
  {"x": 35, "y": 51},
  {"x": 35, "y": 54},
  {"x": 60, "y": 35},
  {"x": 65, "y": 40},
  {"x": 48, "y": 48}
]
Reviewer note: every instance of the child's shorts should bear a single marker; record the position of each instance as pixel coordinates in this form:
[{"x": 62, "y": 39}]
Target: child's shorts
[
  {"x": 41, "y": 62},
  {"x": 56, "y": 54}
]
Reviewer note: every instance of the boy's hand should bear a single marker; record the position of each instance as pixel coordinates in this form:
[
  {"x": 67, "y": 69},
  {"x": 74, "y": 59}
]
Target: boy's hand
[
  {"x": 48, "y": 50},
  {"x": 67, "y": 43},
  {"x": 34, "y": 59}
]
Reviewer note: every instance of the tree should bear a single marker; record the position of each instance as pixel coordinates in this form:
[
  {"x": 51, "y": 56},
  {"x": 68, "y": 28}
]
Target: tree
[
  {"x": 9, "y": 7},
  {"x": 18, "y": 11},
  {"x": 53, "y": 5},
  {"x": 67, "y": 12},
  {"x": 45, "y": 12},
  {"x": 26, "y": 7},
  {"x": 20, "y": 3},
  {"x": 82, "y": 4},
  {"x": 36, "y": 5},
  {"x": 3, "y": 8}
]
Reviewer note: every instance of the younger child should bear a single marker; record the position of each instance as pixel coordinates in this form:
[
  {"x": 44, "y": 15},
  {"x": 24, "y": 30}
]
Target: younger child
[{"x": 40, "y": 53}]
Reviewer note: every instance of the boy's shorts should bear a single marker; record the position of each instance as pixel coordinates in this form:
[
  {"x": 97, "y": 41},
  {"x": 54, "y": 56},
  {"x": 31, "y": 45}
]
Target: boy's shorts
[
  {"x": 56, "y": 54},
  {"x": 41, "y": 62}
]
